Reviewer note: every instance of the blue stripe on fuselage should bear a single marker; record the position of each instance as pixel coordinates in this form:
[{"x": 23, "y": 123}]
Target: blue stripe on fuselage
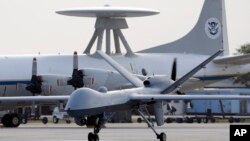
[{"x": 14, "y": 82}]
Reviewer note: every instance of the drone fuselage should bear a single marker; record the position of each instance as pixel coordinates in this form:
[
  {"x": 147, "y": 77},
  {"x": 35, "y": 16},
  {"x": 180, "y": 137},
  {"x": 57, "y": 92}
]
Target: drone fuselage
[{"x": 87, "y": 102}]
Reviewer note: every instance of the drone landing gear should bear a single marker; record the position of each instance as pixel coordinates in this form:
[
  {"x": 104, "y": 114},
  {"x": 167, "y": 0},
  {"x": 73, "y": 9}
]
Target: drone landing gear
[
  {"x": 93, "y": 137},
  {"x": 162, "y": 136},
  {"x": 101, "y": 120}
]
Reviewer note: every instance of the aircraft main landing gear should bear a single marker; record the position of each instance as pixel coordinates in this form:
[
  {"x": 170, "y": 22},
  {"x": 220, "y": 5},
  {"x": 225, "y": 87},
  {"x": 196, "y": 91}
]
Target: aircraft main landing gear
[
  {"x": 162, "y": 136},
  {"x": 11, "y": 120}
]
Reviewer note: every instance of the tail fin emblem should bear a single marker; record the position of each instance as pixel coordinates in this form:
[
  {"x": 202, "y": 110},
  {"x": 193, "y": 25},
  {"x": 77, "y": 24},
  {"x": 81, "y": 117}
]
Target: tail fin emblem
[{"x": 213, "y": 28}]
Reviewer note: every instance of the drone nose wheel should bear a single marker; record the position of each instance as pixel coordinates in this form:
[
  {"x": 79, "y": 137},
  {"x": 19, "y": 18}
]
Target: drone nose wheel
[{"x": 93, "y": 137}]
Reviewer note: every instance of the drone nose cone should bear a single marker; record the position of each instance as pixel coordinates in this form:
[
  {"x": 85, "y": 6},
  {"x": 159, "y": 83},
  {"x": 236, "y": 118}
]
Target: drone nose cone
[
  {"x": 83, "y": 102},
  {"x": 79, "y": 98}
]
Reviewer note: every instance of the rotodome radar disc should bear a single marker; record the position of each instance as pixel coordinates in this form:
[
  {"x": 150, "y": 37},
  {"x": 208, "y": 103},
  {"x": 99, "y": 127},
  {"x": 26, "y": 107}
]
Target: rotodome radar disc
[{"x": 108, "y": 12}]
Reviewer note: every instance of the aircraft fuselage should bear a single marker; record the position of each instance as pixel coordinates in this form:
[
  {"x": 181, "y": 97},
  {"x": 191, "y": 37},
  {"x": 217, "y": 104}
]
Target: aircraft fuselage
[{"x": 15, "y": 72}]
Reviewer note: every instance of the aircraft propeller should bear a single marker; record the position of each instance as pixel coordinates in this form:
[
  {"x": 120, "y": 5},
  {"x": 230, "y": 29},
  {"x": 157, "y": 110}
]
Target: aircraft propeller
[
  {"x": 77, "y": 76},
  {"x": 174, "y": 74},
  {"x": 35, "y": 86},
  {"x": 174, "y": 70},
  {"x": 36, "y": 82}
]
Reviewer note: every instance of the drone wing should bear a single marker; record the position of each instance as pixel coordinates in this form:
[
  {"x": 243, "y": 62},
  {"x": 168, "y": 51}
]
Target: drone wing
[
  {"x": 125, "y": 73},
  {"x": 190, "y": 74},
  {"x": 34, "y": 98},
  {"x": 157, "y": 97}
]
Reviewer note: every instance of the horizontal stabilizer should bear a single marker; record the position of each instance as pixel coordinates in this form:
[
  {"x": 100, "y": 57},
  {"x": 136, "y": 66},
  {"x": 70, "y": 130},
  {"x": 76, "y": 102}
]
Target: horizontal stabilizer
[{"x": 233, "y": 60}]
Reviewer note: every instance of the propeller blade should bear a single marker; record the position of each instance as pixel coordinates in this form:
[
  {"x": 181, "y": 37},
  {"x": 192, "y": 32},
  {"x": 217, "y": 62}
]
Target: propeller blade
[
  {"x": 77, "y": 75},
  {"x": 35, "y": 86},
  {"x": 34, "y": 66},
  {"x": 174, "y": 70},
  {"x": 75, "y": 61}
]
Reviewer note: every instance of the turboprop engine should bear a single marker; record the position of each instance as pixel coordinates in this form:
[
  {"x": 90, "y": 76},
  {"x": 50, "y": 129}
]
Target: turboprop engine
[{"x": 46, "y": 84}]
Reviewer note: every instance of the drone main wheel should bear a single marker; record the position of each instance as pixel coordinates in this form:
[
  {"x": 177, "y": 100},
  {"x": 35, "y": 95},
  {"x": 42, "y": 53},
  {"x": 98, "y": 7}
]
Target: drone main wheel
[
  {"x": 93, "y": 137},
  {"x": 162, "y": 137}
]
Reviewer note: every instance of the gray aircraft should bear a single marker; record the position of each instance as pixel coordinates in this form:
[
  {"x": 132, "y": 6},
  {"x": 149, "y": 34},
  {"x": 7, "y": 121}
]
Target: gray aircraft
[{"x": 156, "y": 90}]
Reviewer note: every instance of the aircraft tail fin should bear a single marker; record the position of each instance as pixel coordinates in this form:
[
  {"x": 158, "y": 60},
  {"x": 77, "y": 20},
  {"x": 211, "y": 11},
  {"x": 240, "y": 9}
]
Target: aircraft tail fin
[{"x": 208, "y": 35}]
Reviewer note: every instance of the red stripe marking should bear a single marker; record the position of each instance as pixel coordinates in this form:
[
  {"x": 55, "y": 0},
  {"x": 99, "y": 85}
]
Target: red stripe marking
[
  {"x": 58, "y": 82},
  {"x": 4, "y": 92},
  {"x": 50, "y": 89}
]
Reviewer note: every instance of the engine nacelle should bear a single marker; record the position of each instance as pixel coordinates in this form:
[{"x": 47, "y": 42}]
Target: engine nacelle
[
  {"x": 54, "y": 80},
  {"x": 96, "y": 78},
  {"x": 92, "y": 78},
  {"x": 51, "y": 84}
]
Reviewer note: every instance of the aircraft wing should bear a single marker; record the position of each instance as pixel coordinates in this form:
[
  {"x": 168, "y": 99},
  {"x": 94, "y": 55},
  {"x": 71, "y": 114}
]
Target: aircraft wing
[
  {"x": 125, "y": 73},
  {"x": 191, "y": 84},
  {"x": 233, "y": 60},
  {"x": 184, "y": 78},
  {"x": 34, "y": 98},
  {"x": 157, "y": 97}
]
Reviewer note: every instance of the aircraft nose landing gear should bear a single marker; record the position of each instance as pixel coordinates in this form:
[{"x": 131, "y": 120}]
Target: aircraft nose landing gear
[
  {"x": 101, "y": 120},
  {"x": 93, "y": 137}
]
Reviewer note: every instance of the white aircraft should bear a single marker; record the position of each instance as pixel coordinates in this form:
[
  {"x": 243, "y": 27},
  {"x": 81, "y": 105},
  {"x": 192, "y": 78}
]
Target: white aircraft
[
  {"x": 208, "y": 36},
  {"x": 154, "y": 90}
]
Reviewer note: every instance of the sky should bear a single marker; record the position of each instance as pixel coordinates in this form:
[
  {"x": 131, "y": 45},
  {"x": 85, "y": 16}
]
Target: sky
[{"x": 32, "y": 26}]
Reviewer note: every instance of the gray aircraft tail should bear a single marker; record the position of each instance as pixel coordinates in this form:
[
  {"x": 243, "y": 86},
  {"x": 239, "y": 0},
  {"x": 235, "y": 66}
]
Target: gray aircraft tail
[{"x": 208, "y": 35}]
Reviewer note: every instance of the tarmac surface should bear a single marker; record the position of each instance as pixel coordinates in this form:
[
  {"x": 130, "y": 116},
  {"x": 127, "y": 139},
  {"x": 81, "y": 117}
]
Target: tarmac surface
[{"x": 116, "y": 132}]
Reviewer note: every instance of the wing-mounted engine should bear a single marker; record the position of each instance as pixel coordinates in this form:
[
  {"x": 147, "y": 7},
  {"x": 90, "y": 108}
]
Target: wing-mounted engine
[
  {"x": 35, "y": 86},
  {"x": 96, "y": 78},
  {"x": 77, "y": 75},
  {"x": 53, "y": 84},
  {"x": 48, "y": 84},
  {"x": 43, "y": 84}
]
